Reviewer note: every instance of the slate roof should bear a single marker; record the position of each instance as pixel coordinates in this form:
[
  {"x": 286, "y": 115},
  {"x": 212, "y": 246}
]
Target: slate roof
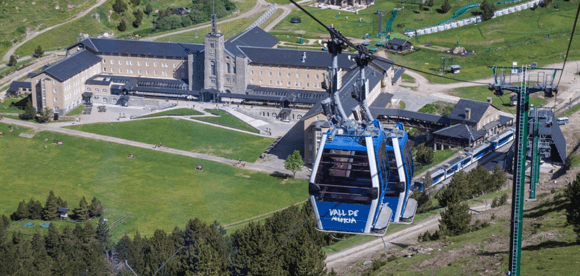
[
  {"x": 72, "y": 65},
  {"x": 383, "y": 64},
  {"x": 382, "y": 100},
  {"x": 15, "y": 85},
  {"x": 255, "y": 92},
  {"x": 397, "y": 41},
  {"x": 552, "y": 130},
  {"x": 254, "y": 37},
  {"x": 287, "y": 57},
  {"x": 477, "y": 110},
  {"x": 461, "y": 131},
  {"x": 138, "y": 47},
  {"x": 398, "y": 73},
  {"x": 141, "y": 82},
  {"x": 409, "y": 115}
]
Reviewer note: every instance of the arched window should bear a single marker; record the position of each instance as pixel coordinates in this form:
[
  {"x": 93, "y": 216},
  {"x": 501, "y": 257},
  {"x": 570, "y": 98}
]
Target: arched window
[
  {"x": 229, "y": 68},
  {"x": 213, "y": 68}
]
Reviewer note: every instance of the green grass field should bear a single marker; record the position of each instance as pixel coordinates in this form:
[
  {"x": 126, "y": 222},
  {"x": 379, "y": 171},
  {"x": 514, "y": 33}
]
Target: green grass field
[
  {"x": 178, "y": 111},
  {"x": 225, "y": 119},
  {"x": 156, "y": 190},
  {"x": 549, "y": 247},
  {"x": 76, "y": 111},
  {"x": 438, "y": 107},
  {"x": 6, "y": 108},
  {"x": 185, "y": 135},
  {"x": 229, "y": 29},
  {"x": 480, "y": 93},
  {"x": 521, "y": 37},
  {"x": 20, "y": 16}
]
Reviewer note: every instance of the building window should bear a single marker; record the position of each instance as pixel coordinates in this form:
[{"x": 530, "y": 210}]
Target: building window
[
  {"x": 120, "y": 63},
  {"x": 53, "y": 82},
  {"x": 260, "y": 81},
  {"x": 155, "y": 72},
  {"x": 104, "y": 90},
  {"x": 55, "y": 99},
  {"x": 297, "y": 75},
  {"x": 288, "y": 83},
  {"x": 139, "y": 71},
  {"x": 211, "y": 45},
  {"x": 154, "y": 64},
  {"x": 104, "y": 69},
  {"x": 270, "y": 81},
  {"x": 317, "y": 76},
  {"x": 213, "y": 68},
  {"x": 174, "y": 66},
  {"x": 104, "y": 61},
  {"x": 112, "y": 70},
  {"x": 126, "y": 62},
  {"x": 307, "y": 76},
  {"x": 112, "y": 61},
  {"x": 138, "y": 63},
  {"x": 54, "y": 90},
  {"x": 279, "y": 74},
  {"x": 88, "y": 89},
  {"x": 307, "y": 84},
  {"x": 120, "y": 70},
  {"x": 146, "y": 72},
  {"x": 146, "y": 63},
  {"x": 229, "y": 67},
  {"x": 288, "y": 74},
  {"x": 251, "y": 72},
  {"x": 96, "y": 90}
]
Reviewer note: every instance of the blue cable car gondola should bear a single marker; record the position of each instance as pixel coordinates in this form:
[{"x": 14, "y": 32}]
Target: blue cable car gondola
[{"x": 361, "y": 183}]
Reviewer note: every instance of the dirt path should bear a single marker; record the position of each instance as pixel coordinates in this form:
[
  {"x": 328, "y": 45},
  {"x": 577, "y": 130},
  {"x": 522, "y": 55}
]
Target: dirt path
[
  {"x": 35, "y": 34},
  {"x": 342, "y": 261},
  {"x": 287, "y": 9}
]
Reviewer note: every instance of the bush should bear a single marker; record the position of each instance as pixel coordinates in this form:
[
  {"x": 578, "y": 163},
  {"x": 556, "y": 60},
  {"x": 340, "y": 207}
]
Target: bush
[
  {"x": 445, "y": 7},
  {"x": 424, "y": 202},
  {"x": 455, "y": 220},
  {"x": 503, "y": 199},
  {"x": 122, "y": 26},
  {"x": 377, "y": 264}
]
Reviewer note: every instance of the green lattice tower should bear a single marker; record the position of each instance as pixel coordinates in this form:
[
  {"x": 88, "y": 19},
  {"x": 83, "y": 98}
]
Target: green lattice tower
[
  {"x": 535, "y": 173},
  {"x": 523, "y": 105}
]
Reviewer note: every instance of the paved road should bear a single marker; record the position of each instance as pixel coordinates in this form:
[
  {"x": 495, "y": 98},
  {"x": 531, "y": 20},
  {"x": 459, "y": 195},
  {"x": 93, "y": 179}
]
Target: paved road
[
  {"x": 35, "y": 34},
  {"x": 287, "y": 9}
]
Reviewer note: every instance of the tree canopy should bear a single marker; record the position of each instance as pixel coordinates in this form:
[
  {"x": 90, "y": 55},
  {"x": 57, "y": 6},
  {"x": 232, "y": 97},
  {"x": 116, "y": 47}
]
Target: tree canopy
[{"x": 294, "y": 162}]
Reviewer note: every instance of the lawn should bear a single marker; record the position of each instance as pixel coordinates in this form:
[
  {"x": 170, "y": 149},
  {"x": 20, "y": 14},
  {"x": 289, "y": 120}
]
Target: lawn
[
  {"x": 18, "y": 16},
  {"x": 156, "y": 190},
  {"x": 438, "y": 108},
  {"x": 186, "y": 135},
  {"x": 570, "y": 111},
  {"x": 527, "y": 36},
  {"x": 226, "y": 119},
  {"x": 439, "y": 156},
  {"x": 178, "y": 111},
  {"x": 6, "y": 108},
  {"x": 229, "y": 29},
  {"x": 407, "y": 78},
  {"x": 481, "y": 93},
  {"x": 76, "y": 111}
]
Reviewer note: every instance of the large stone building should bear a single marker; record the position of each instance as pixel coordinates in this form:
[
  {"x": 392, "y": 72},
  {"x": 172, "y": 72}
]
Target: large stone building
[{"x": 243, "y": 68}]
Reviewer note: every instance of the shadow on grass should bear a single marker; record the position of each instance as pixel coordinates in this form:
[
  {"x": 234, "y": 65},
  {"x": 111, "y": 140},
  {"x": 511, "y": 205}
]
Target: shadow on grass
[
  {"x": 401, "y": 245},
  {"x": 552, "y": 206},
  {"x": 548, "y": 244},
  {"x": 280, "y": 175}
]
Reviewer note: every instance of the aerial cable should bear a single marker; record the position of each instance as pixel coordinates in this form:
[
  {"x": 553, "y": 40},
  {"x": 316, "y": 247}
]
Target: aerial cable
[{"x": 569, "y": 43}]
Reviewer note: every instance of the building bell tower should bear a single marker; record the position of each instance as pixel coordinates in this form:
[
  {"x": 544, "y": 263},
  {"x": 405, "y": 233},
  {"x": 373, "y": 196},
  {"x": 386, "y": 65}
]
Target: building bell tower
[{"x": 214, "y": 58}]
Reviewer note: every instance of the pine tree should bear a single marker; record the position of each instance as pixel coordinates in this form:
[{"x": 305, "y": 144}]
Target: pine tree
[
  {"x": 138, "y": 18},
  {"x": 38, "y": 51},
  {"x": 119, "y": 6},
  {"x": 122, "y": 26},
  {"x": 256, "y": 251},
  {"x": 431, "y": 3},
  {"x": 61, "y": 203},
  {"x": 148, "y": 9},
  {"x": 45, "y": 115},
  {"x": 21, "y": 212},
  {"x": 34, "y": 209},
  {"x": 136, "y": 256},
  {"x": 50, "y": 211},
  {"x": 82, "y": 212},
  {"x": 103, "y": 235},
  {"x": 294, "y": 162},
  {"x": 12, "y": 61},
  {"x": 572, "y": 194},
  {"x": 455, "y": 220},
  {"x": 52, "y": 241},
  {"x": 41, "y": 262},
  {"x": 456, "y": 191},
  {"x": 497, "y": 179},
  {"x": 136, "y": 2},
  {"x": 96, "y": 208},
  {"x": 29, "y": 111},
  {"x": 446, "y": 6}
]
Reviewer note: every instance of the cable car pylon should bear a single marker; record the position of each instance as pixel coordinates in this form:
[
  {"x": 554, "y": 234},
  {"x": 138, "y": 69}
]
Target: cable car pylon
[{"x": 523, "y": 87}]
